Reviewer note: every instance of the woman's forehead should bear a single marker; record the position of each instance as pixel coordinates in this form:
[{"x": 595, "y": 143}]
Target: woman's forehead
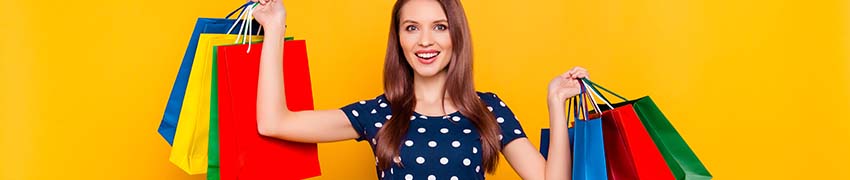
[{"x": 422, "y": 11}]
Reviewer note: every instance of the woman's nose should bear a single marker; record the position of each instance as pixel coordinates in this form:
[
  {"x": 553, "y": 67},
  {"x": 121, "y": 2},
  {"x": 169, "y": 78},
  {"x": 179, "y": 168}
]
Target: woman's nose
[
  {"x": 425, "y": 39},
  {"x": 426, "y": 43}
]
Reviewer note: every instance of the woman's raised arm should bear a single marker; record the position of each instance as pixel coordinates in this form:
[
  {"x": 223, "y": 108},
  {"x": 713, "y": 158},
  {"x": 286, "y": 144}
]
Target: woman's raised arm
[{"x": 274, "y": 119}]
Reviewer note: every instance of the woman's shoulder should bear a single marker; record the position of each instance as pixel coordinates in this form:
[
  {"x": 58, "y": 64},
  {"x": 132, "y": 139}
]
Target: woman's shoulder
[
  {"x": 482, "y": 94},
  {"x": 490, "y": 98},
  {"x": 376, "y": 100},
  {"x": 374, "y": 105}
]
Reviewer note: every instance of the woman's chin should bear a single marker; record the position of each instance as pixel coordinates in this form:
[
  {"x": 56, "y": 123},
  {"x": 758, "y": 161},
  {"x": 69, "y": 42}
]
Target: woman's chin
[{"x": 427, "y": 72}]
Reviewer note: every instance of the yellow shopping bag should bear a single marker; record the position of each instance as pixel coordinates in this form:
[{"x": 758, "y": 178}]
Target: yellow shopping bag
[{"x": 189, "y": 151}]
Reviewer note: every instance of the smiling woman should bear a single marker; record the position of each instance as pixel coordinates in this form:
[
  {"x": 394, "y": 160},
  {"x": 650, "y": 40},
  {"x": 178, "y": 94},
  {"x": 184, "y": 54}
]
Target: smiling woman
[{"x": 431, "y": 38}]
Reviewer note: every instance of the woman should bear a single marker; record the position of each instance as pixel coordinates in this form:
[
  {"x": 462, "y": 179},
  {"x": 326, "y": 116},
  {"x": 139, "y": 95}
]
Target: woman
[{"x": 430, "y": 123}]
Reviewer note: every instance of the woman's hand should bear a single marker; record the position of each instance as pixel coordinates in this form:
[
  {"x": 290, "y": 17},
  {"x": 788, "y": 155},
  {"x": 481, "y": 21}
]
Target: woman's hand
[
  {"x": 271, "y": 14},
  {"x": 566, "y": 85}
]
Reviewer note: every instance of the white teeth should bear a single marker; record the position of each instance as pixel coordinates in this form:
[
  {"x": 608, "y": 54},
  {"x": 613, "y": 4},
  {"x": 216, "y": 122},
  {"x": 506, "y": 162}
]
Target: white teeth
[{"x": 427, "y": 55}]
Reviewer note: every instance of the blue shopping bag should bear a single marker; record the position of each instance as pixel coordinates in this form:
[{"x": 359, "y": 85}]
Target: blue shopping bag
[
  {"x": 586, "y": 142},
  {"x": 168, "y": 126},
  {"x": 589, "y": 147}
]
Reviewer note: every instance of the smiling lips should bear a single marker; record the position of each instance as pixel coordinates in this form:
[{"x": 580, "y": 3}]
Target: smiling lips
[{"x": 427, "y": 56}]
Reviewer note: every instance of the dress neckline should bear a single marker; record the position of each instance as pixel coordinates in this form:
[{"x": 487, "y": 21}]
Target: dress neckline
[{"x": 456, "y": 113}]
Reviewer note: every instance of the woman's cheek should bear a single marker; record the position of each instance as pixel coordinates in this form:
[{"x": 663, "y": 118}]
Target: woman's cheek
[
  {"x": 407, "y": 43},
  {"x": 445, "y": 41}
]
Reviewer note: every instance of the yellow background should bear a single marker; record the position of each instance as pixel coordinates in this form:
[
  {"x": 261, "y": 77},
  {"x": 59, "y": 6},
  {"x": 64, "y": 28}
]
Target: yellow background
[{"x": 760, "y": 89}]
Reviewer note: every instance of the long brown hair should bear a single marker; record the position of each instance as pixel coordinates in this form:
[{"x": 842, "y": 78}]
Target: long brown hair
[{"x": 398, "y": 88}]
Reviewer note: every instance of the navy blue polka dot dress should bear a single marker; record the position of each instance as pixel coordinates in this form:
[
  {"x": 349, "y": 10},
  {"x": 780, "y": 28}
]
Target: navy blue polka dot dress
[{"x": 435, "y": 147}]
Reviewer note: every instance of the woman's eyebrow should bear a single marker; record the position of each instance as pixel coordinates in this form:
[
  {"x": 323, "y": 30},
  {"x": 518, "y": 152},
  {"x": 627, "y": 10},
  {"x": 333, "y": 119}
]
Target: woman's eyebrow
[
  {"x": 414, "y": 22},
  {"x": 409, "y": 21}
]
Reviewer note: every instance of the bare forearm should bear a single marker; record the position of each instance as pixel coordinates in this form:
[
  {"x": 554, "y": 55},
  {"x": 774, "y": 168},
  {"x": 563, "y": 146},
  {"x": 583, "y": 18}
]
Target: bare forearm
[
  {"x": 271, "y": 100},
  {"x": 558, "y": 164}
]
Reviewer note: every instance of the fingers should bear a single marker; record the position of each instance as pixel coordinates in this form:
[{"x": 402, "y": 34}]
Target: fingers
[
  {"x": 575, "y": 73},
  {"x": 580, "y": 75},
  {"x": 574, "y": 83},
  {"x": 579, "y": 68},
  {"x": 578, "y": 72},
  {"x": 262, "y": 2}
]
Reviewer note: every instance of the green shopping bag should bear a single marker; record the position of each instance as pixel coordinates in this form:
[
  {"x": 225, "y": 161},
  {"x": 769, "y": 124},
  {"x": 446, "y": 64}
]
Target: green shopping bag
[
  {"x": 212, "y": 166},
  {"x": 683, "y": 162}
]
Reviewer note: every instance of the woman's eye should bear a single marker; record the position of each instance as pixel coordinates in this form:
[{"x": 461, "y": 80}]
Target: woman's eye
[
  {"x": 440, "y": 27},
  {"x": 410, "y": 28}
]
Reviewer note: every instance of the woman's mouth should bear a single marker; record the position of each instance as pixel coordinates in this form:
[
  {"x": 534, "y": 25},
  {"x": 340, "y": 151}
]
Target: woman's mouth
[{"x": 427, "y": 56}]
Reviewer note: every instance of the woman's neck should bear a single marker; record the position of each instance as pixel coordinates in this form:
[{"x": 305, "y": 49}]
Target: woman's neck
[{"x": 430, "y": 89}]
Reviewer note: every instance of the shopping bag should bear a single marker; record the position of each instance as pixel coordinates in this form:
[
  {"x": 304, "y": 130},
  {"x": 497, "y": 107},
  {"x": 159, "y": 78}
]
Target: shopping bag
[
  {"x": 679, "y": 157},
  {"x": 630, "y": 152},
  {"x": 168, "y": 125},
  {"x": 589, "y": 161},
  {"x": 189, "y": 151},
  {"x": 244, "y": 154},
  {"x": 213, "y": 162}
]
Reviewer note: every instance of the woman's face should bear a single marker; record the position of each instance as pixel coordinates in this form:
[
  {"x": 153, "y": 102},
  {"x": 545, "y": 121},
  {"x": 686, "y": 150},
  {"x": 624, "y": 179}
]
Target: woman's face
[{"x": 424, "y": 36}]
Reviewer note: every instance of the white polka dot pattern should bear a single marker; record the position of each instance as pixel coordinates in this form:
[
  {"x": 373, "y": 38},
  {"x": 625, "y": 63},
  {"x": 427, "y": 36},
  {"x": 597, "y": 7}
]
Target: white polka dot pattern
[{"x": 448, "y": 141}]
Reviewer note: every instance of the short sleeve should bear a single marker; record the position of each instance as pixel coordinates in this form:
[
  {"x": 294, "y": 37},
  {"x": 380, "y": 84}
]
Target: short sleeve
[
  {"x": 364, "y": 116},
  {"x": 508, "y": 122}
]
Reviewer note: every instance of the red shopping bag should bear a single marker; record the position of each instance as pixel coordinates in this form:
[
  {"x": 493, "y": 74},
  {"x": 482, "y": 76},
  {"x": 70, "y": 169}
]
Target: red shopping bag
[
  {"x": 629, "y": 150},
  {"x": 244, "y": 153}
]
